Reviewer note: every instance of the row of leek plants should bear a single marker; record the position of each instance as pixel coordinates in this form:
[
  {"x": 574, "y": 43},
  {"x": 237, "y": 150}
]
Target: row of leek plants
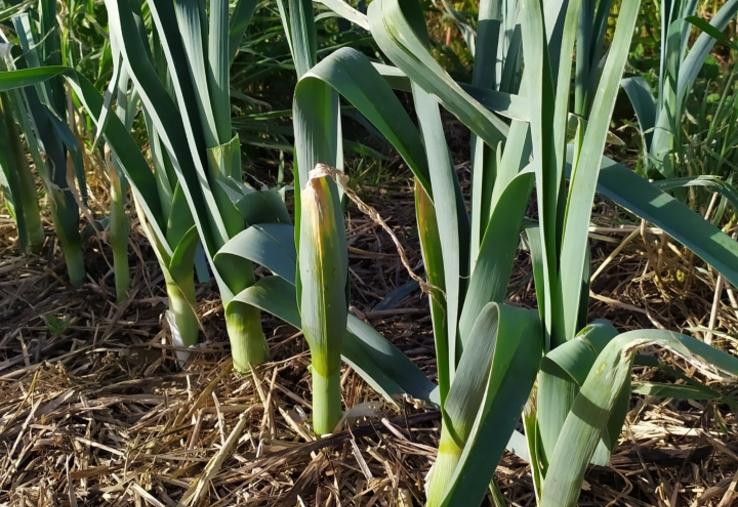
[
  {"x": 16, "y": 179},
  {"x": 51, "y": 27},
  {"x": 171, "y": 199},
  {"x": 44, "y": 115},
  {"x": 177, "y": 203},
  {"x": 661, "y": 114},
  {"x": 686, "y": 42},
  {"x": 573, "y": 377},
  {"x": 187, "y": 104},
  {"x": 490, "y": 354}
]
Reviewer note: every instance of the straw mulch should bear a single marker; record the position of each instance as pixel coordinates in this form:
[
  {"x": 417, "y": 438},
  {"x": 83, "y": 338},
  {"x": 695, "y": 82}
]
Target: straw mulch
[{"x": 95, "y": 410}]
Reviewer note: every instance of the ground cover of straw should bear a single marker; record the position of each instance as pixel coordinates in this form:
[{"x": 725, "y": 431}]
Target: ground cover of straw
[{"x": 95, "y": 410}]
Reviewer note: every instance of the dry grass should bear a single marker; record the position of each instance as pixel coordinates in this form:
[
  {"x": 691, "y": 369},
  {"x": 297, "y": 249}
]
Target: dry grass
[{"x": 95, "y": 410}]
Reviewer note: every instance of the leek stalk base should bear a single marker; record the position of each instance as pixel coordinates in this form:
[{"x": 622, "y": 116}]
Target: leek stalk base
[
  {"x": 440, "y": 475},
  {"x": 248, "y": 343},
  {"x": 119, "y": 237},
  {"x": 75, "y": 262},
  {"x": 181, "y": 316},
  {"x": 31, "y": 210},
  {"x": 65, "y": 215},
  {"x": 326, "y": 401}
]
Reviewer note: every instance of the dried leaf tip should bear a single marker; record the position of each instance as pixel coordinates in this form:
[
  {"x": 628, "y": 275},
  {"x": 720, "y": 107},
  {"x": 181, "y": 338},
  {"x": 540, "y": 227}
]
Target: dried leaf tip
[{"x": 321, "y": 171}]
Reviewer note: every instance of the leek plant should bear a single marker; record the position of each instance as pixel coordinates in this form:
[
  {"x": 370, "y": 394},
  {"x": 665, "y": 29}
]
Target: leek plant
[
  {"x": 118, "y": 231},
  {"x": 294, "y": 293},
  {"x": 490, "y": 355},
  {"x": 118, "y": 228},
  {"x": 159, "y": 203},
  {"x": 275, "y": 247},
  {"x": 323, "y": 265},
  {"x": 163, "y": 213},
  {"x": 161, "y": 207},
  {"x": 660, "y": 115},
  {"x": 322, "y": 260},
  {"x": 55, "y": 151}
]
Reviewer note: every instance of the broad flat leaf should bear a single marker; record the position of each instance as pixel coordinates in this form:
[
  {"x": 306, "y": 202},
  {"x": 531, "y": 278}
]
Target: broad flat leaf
[
  {"x": 433, "y": 261},
  {"x": 584, "y": 177},
  {"x": 707, "y": 181},
  {"x": 624, "y": 187},
  {"x": 644, "y": 105},
  {"x": 183, "y": 258},
  {"x": 537, "y": 75},
  {"x": 492, "y": 383},
  {"x": 270, "y": 245},
  {"x": 563, "y": 371},
  {"x": 592, "y": 408},
  {"x": 450, "y": 225},
  {"x": 299, "y": 26},
  {"x": 675, "y": 391},
  {"x": 494, "y": 265},
  {"x": 347, "y": 12},
  {"x": 220, "y": 42},
  {"x": 350, "y": 74},
  {"x": 239, "y": 22},
  {"x": 190, "y": 27},
  {"x": 398, "y": 27},
  {"x": 575, "y": 358}
]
